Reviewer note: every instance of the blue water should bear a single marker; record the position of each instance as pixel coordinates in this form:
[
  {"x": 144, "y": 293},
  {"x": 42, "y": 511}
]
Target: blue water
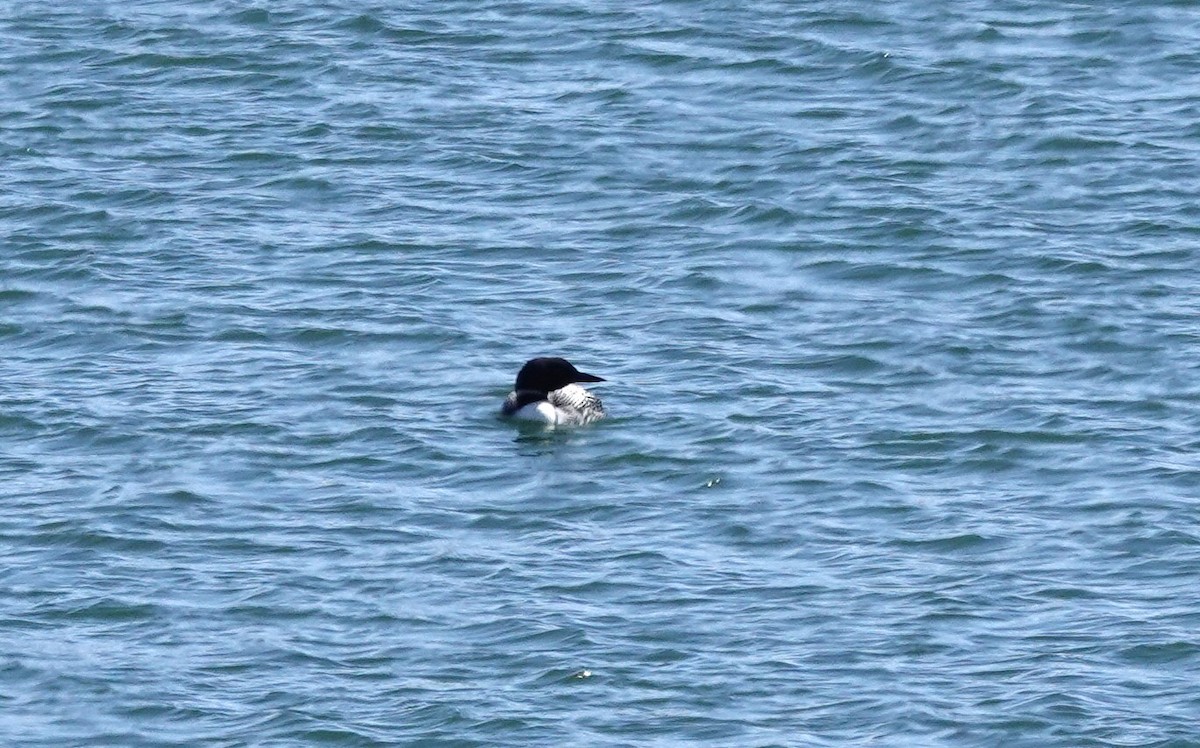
[{"x": 896, "y": 303}]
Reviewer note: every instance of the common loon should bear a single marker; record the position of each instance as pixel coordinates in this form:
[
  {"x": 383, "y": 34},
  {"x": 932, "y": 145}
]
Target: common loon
[{"x": 546, "y": 392}]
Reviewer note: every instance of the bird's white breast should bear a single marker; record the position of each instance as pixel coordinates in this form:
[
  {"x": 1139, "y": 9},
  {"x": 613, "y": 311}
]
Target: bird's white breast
[{"x": 539, "y": 412}]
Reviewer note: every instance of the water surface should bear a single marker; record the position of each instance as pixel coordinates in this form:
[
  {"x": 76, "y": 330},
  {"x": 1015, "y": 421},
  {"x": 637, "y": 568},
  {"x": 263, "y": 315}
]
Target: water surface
[{"x": 896, "y": 303}]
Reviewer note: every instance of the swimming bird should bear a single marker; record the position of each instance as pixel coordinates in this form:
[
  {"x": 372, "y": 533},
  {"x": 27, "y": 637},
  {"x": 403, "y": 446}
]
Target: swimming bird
[{"x": 547, "y": 391}]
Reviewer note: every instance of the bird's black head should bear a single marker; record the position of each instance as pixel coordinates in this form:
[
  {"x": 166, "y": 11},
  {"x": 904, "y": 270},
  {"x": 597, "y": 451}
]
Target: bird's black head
[{"x": 549, "y": 374}]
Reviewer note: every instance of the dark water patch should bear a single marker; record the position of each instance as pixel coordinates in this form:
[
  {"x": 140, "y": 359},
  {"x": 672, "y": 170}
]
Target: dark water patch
[
  {"x": 969, "y": 542},
  {"x": 1160, "y": 654},
  {"x": 100, "y": 611},
  {"x": 260, "y": 17},
  {"x": 1066, "y": 143}
]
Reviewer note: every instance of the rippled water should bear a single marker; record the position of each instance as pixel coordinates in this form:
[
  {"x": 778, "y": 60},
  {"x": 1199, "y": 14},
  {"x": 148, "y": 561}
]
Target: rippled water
[{"x": 896, "y": 302}]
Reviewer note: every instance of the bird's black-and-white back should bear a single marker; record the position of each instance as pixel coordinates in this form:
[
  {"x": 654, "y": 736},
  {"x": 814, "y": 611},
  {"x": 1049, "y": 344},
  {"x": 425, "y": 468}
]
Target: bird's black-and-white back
[{"x": 576, "y": 406}]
